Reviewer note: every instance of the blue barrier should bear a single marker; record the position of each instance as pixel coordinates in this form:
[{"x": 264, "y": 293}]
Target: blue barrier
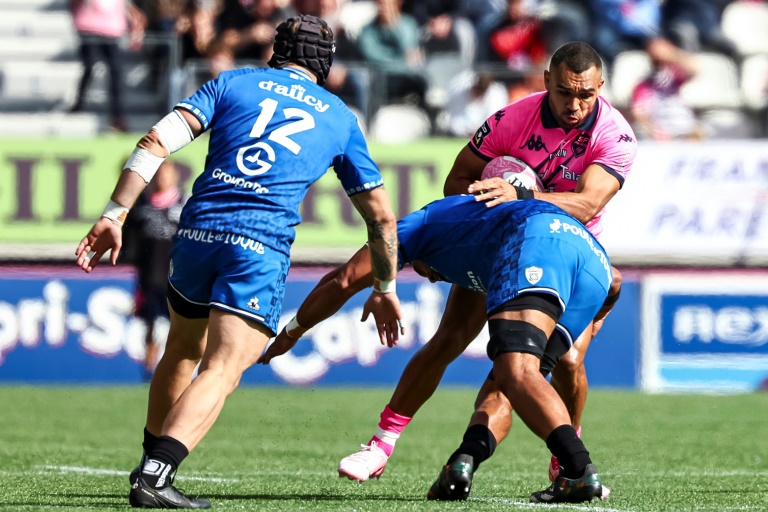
[{"x": 61, "y": 326}]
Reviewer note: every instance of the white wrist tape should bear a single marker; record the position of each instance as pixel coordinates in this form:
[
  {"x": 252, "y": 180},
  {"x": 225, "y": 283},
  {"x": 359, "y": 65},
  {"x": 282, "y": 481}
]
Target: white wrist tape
[
  {"x": 115, "y": 212},
  {"x": 143, "y": 163},
  {"x": 293, "y": 329},
  {"x": 384, "y": 286},
  {"x": 174, "y": 131}
]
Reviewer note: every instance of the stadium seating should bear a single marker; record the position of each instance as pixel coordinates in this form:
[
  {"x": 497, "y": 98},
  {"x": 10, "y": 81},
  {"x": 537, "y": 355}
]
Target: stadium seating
[
  {"x": 754, "y": 81},
  {"x": 715, "y": 85},
  {"x": 629, "y": 69},
  {"x": 395, "y": 124},
  {"x": 746, "y": 23}
]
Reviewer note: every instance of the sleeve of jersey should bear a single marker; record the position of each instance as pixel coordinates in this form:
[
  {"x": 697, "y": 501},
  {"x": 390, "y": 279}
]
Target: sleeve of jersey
[
  {"x": 202, "y": 104},
  {"x": 485, "y": 142},
  {"x": 355, "y": 168},
  {"x": 617, "y": 152}
]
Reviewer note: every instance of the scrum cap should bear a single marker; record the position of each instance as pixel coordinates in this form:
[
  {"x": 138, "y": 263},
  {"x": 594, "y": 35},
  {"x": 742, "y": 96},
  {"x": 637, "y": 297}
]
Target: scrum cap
[{"x": 307, "y": 41}]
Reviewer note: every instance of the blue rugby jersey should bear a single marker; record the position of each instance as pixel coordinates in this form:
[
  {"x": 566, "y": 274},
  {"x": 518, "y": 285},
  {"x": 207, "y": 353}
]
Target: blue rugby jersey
[
  {"x": 462, "y": 239},
  {"x": 273, "y": 133}
]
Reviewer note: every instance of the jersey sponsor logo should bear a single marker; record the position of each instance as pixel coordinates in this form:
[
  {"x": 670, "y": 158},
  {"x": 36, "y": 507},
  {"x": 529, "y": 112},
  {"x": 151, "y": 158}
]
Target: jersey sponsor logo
[
  {"x": 566, "y": 174},
  {"x": 558, "y": 153},
  {"x": 481, "y": 134},
  {"x": 254, "y": 304},
  {"x": 534, "y": 274},
  {"x": 498, "y": 115},
  {"x": 534, "y": 144},
  {"x": 258, "y": 158},
  {"x": 211, "y": 237},
  {"x": 296, "y": 92},
  {"x": 238, "y": 181},
  {"x": 476, "y": 283},
  {"x": 625, "y": 138},
  {"x": 556, "y": 226},
  {"x": 579, "y": 144}
]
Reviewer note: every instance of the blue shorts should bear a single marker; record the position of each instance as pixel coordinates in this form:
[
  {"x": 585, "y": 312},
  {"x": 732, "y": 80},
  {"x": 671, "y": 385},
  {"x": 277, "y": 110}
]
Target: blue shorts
[
  {"x": 229, "y": 272},
  {"x": 553, "y": 255}
]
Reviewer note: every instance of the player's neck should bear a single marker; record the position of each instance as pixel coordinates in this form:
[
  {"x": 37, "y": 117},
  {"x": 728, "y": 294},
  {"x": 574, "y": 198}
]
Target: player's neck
[{"x": 302, "y": 68}]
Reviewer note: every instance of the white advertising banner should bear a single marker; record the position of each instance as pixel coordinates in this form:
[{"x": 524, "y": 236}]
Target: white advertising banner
[{"x": 698, "y": 203}]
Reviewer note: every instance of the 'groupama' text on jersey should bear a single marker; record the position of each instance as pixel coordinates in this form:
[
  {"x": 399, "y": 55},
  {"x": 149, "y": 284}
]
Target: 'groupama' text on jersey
[{"x": 274, "y": 132}]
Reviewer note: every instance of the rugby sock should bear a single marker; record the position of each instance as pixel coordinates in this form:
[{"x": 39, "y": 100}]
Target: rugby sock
[
  {"x": 150, "y": 440},
  {"x": 161, "y": 463},
  {"x": 570, "y": 451},
  {"x": 479, "y": 443},
  {"x": 390, "y": 428}
]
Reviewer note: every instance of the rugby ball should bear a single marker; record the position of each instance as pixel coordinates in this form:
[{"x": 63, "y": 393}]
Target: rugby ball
[{"x": 514, "y": 171}]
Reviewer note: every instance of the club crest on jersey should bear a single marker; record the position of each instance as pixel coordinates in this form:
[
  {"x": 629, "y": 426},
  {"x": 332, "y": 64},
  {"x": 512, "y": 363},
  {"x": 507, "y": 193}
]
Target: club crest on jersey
[
  {"x": 534, "y": 274},
  {"x": 579, "y": 144},
  {"x": 481, "y": 134}
]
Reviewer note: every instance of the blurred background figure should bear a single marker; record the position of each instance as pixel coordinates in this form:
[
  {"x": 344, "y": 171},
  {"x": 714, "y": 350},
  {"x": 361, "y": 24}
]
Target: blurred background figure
[
  {"x": 246, "y": 32},
  {"x": 472, "y": 100},
  {"x": 148, "y": 236},
  {"x": 657, "y": 108},
  {"x": 621, "y": 25},
  {"x": 390, "y": 45},
  {"x": 101, "y": 24},
  {"x": 696, "y": 26}
]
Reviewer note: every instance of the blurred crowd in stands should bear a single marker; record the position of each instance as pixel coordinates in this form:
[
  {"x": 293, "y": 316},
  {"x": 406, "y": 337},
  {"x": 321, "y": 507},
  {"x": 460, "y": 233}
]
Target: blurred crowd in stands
[{"x": 457, "y": 61}]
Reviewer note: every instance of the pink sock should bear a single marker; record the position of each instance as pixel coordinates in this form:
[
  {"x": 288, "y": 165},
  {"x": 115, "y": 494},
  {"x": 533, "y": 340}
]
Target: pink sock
[{"x": 390, "y": 428}]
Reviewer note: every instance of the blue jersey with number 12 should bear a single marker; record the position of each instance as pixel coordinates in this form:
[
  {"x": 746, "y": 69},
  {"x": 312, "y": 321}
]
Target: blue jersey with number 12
[{"x": 273, "y": 133}]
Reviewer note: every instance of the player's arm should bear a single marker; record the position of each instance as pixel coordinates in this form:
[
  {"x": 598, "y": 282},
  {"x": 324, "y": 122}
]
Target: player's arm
[
  {"x": 325, "y": 299},
  {"x": 375, "y": 209},
  {"x": 170, "y": 134},
  {"x": 467, "y": 168},
  {"x": 593, "y": 191}
]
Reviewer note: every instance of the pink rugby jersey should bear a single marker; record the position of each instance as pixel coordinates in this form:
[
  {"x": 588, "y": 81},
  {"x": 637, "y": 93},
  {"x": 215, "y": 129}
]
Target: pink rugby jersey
[{"x": 527, "y": 129}]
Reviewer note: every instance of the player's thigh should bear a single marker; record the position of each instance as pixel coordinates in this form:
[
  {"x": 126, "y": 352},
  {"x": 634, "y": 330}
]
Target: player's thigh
[
  {"x": 234, "y": 343},
  {"x": 186, "y": 336},
  {"x": 463, "y": 319}
]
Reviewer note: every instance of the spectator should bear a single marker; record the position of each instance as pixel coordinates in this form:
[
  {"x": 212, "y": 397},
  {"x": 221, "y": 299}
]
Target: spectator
[
  {"x": 437, "y": 21},
  {"x": 101, "y": 24},
  {"x": 518, "y": 40},
  {"x": 472, "y": 100},
  {"x": 484, "y": 15},
  {"x": 530, "y": 82},
  {"x": 695, "y": 26},
  {"x": 351, "y": 85},
  {"x": 658, "y": 110},
  {"x": 148, "y": 231},
  {"x": 620, "y": 25},
  {"x": 246, "y": 31},
  {"x": 390, "y": 44}
]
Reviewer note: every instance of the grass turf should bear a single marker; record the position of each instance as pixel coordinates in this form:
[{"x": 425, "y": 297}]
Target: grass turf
[{"x": 68, "y": 448}]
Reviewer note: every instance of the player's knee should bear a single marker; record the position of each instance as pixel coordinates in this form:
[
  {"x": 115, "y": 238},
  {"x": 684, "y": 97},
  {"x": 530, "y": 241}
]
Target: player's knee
[
  {"x": 571, "y": 361},
  {"x": 515, "y": 336},
  {"x": 616, "y": 283}
]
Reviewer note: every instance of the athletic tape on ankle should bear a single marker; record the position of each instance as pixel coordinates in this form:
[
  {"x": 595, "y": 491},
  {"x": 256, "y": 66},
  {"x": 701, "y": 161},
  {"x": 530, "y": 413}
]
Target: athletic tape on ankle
[
  {"x": 143, "y": 163},
  {"x": 115, "y": 212},
  {"x": 387, "y": 437}
]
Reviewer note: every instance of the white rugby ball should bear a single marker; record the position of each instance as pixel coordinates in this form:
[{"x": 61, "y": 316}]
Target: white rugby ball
[{"x": 514, "y": 171}]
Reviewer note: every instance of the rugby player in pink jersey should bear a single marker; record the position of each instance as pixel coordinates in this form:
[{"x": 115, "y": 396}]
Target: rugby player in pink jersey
[{"x": 582, "y": 149}]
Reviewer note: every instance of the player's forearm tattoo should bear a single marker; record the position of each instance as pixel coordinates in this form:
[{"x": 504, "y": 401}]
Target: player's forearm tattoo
[{"x": 382, "y": 265}]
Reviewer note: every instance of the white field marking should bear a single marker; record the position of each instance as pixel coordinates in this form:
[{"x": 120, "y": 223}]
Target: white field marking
[
  {"x": 115, "y": 472},
  {"x": 568, "y": 506}
]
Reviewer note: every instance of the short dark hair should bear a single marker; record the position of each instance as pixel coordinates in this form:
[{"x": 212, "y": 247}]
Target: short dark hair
[{"x": 578, "y": 56}]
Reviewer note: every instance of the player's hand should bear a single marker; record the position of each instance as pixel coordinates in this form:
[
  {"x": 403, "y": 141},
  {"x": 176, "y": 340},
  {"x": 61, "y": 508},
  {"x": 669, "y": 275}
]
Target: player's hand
[
  {"x": 493, "y": 190},
  {"x": 282, "y": 344},
  {"x": 105, "y": 235},
  {"x": 385, "y": 308}
]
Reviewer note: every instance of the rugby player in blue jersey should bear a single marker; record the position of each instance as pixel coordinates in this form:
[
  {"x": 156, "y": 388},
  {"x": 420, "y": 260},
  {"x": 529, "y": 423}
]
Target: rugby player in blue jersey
[
  {"x": 273, "y": 132},
  {"x": 545, "y": 278}
]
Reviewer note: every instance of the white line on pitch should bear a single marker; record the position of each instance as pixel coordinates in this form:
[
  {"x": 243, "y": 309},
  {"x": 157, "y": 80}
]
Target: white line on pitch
[
  {"x": 521, "y": 503},
  {"x": 115, "y": 472}
]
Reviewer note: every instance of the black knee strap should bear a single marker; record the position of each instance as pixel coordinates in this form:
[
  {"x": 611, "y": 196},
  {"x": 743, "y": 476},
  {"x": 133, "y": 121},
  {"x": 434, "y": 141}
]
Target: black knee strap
[
  {"x": 515, "y": 336},
  {"x": 612, "y": 299}
]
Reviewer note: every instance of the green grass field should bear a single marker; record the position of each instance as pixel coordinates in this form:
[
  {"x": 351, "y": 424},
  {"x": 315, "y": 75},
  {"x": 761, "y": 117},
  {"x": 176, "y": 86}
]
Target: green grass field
[{"x": 277, "y": 449}]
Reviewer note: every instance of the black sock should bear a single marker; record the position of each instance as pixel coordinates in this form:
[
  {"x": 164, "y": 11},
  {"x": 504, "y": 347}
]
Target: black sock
[
  {"x": 478, "y": 443},
  {"x": 161, "y": 463},
  {"x": 150, "y": 440},
  {"x": 569, "y": 450}
]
